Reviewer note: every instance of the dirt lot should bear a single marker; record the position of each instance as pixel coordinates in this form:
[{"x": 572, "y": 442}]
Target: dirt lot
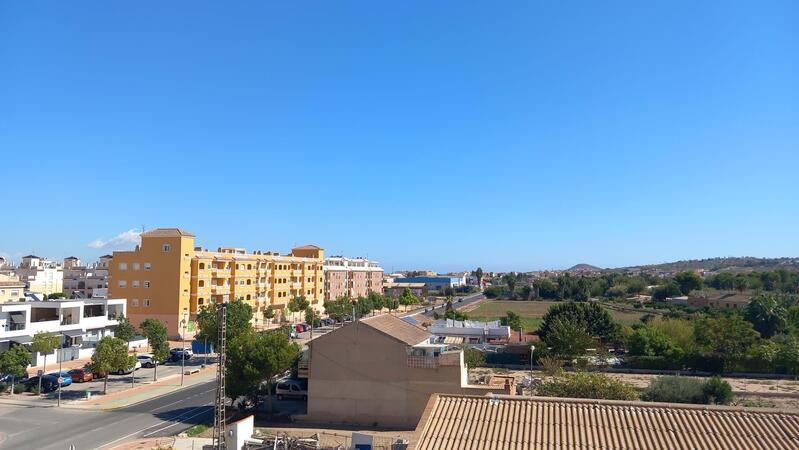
[{"x": 776, "y": 393}]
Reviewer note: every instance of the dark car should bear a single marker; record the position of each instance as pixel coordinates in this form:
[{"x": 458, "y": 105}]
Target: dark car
[
  {"x": 49, "y": 383},
  {"x": 80, "y": 375}
]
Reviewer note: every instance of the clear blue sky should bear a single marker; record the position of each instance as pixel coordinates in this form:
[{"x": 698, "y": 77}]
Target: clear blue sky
[{"x": 442, "y": 135}]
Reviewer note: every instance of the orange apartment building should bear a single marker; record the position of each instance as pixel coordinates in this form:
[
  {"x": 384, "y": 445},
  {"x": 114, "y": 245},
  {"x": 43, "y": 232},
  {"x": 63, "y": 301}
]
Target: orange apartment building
[
  {"x": 168, "y": 278},
  {"x": 352, "y": 277}
]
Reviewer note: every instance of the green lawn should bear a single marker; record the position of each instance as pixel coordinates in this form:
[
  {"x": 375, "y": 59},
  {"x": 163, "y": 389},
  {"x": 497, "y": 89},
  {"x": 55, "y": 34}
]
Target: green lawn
[{"x": 532, "y": 312}]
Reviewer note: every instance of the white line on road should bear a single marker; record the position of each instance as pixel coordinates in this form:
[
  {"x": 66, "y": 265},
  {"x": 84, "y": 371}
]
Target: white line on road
[
  {"x": 107, "y": 444},
  {"x": 178, "y": 423}
]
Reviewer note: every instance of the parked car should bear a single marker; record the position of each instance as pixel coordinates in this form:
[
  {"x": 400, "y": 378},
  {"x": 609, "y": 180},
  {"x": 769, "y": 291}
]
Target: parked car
[
  {"x": 184, "y": 353},
  {"x": 300, "y": 328},
  {"x": 327, "y": 322},
  {"x": 290, "y": 388},
  {"x": 81, "y": 375},
  {"x": 66, "y": 379},
  {"x": 49, "y": 383},
  {"x": 7, "y": 378},
  {"x": 130, "y": 370},
  {"x": 146, "y": 360}
]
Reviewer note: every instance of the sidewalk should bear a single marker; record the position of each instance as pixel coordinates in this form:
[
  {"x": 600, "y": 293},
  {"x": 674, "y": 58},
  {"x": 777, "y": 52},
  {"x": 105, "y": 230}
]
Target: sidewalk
[{"x": 179, "y": 443}]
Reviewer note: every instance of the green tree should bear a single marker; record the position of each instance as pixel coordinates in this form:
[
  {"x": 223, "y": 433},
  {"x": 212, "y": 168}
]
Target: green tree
[
  {"x": 111, "y": 355},
  {"x": 125, "y": 330},
  {"x": 45, "y": 343},
  {"x": 728, "y": 335},
  {"x": 649, "y": 341},
  {"x": 392, "y": 303},
  {"x": 407, "y": 298},
  {"x": 15, "y": 362},
  {"x": 717, "y": 391},
  {"x": 363, "y": 306},
  {"x": 510, "y": 280},
  {"x": 312, "y": 317},
  {"x": 239, "y": 320},
  {"x": 568, "y": 337},
  {"x": 377, "y": 301},
  {"x": 688, "y": 281},
  {"x": 297, "y": 304},
  {"x": 56, "y": 295},
  {"x": 268, "y": 313},
  {"x": 766, "y": 314},
  {"x": 588, "y": 385},
  {"x": 513, "y": 320},
  {"x": 473, "y": 358},
  {"x": 254, "y": 358},
  {"x": 591, "y": 317},
  {"x": 156, "y": 333},
  {"x": 670, "y": 289},
  {"x": 338, "y": 308},
  {"x": 478, "y": 273}
]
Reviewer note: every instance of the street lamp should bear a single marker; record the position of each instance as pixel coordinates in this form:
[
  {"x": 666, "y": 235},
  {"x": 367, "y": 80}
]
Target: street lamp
[
  {"x": 532, "y": 349},
  {"x": 60, "y": 356},
  {"x": 183, "y": 349}
]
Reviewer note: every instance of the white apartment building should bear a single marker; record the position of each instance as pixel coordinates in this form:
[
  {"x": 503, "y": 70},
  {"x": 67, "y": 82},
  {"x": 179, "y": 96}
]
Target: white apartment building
[
  {"x": 40, "y": 275},
  {"x": 352, "y": 277},
  {"x": 81, "y": 323},
  {"x": 86, "y": 281}
]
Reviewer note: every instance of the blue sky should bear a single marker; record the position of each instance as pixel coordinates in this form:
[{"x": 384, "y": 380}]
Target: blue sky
[{"x": 443, "y": 135}]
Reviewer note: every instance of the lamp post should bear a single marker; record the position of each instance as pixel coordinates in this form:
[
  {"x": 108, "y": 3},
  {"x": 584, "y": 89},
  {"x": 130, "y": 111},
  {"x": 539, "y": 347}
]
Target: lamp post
[
  {"x": 183, "y": 349},
  {"x": 60, "y": 356},
  {"x": 532, "y": 349}
]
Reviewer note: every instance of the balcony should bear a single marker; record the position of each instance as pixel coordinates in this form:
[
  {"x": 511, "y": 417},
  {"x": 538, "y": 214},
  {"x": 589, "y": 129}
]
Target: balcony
[
  {"x": 433, "y": 362},
  {"x": 220, "y": 289},
  {"x": 220, "y": 273}
]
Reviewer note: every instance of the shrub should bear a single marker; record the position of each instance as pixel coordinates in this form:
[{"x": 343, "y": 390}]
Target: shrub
[
  {"x": 653, "y": 363},
  {"x": 588, "y": 385},
  {"x": 19, "y": 388},
  {"x": 551, "y": 365},
  {"x": 672, "y": 389},
  {"x": 473, "y": 358},
  {"x": 717, "y": 391},
  {"x": 4, "y": 387}
]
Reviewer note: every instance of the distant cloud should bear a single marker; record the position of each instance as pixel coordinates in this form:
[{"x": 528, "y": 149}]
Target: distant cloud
[{"x": 125, "y": 239}]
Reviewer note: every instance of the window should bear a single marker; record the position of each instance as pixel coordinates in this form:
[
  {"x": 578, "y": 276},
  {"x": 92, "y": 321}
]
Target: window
[
  {"x": 167, "y": 248},
  {"x": 136, "y": 266},
  {"x": 123, "y": 283},
  {"x": 146, "y": 302},
  {"x": 201, "y": 283},
  {"x": 123, "y": 266},
  {"x": 135, "y": 283},
  {"x": 202, "y": 266},
  {"x": 147, "y": 266},
  {"x": 146, "y": 284},
  {"x": 200, "y": 301},
  {"x": 135, "y": 302}
]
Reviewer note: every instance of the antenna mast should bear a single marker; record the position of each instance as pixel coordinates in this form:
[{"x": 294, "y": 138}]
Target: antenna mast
[{"x": 218, "y": 442}]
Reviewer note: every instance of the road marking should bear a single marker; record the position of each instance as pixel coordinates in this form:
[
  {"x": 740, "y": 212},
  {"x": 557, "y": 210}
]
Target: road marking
[
  {"x": 151, "y": 426},
  {"x": 178, "y": 423},
  {"x": 183, "y": 399}
]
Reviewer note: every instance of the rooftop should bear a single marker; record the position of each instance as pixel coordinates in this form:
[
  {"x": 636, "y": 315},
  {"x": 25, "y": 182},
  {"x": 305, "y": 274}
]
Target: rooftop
[
  {"x": 167, "y": 232},
  {"x": 513, "y": 422},
  {"x": 397, "y": 328}
]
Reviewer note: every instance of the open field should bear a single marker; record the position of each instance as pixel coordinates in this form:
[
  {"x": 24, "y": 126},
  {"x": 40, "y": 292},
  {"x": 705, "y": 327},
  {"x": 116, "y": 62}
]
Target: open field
[{"x": 532, "y": 312}]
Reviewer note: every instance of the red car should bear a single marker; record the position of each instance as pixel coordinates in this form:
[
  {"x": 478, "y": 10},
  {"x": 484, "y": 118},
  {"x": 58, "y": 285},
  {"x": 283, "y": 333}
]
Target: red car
[
  {"x": 80, "y": 375},
  {"x": 300, "y": 328}
]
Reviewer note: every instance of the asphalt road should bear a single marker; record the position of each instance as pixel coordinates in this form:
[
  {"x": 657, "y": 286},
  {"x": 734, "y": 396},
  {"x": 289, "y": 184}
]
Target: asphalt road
[
  {"x": 459, "y": 303},
  {"x": 48, "y": 428}
]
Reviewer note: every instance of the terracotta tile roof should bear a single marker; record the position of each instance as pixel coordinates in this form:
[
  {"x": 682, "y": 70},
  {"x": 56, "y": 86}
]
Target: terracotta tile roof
[
  {"x": 397, "y": 328},
  {"x": 166, "y": 232},
  {"x": 509, "y": 422}
]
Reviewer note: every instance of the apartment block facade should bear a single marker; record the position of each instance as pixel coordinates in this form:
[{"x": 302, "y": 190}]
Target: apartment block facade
[
  {"x": 168, "y": 278},
  {"x": 352, "y": 277},
  {"x": 40, "y": 275},
  {"x": 86, "y": 281}
]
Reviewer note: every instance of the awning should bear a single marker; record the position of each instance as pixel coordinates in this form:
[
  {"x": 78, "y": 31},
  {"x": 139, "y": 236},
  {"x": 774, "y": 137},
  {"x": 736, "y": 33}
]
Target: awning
[
  {"x": 453, "y": 340},
  {"x": 22, "y": 339},
  {"x": 17, "y": 318},
  {"x": 74, "y": 333}
]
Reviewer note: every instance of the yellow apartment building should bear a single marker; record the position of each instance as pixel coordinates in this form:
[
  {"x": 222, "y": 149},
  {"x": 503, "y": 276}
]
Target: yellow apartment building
[{"x": 168, "y": 278}]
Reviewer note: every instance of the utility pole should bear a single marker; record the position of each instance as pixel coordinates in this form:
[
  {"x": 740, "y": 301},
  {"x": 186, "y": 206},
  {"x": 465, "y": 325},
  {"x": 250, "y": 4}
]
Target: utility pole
[{"x": 218, "y": 442}]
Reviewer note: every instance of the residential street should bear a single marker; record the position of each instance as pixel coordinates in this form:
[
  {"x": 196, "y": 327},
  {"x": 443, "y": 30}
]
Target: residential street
[
  {"x": 460, "y": 302},
  {"x": 49, "y": 428}
]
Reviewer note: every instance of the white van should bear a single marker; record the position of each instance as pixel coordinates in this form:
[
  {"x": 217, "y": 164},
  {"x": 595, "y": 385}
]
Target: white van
[{"x": 288, "y": 388}]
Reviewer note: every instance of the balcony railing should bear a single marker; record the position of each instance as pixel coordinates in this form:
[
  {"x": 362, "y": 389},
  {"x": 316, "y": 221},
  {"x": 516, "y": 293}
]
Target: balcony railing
[{"x": 433, "y": 362}]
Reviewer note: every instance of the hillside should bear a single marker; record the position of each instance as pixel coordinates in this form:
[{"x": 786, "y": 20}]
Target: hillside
[{"x": 726, "y": 264}]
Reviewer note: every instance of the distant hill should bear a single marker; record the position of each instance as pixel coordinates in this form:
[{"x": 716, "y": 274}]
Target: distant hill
[
  {"x": 583, "y": 268},
  {"x": 726, "y": 264}
]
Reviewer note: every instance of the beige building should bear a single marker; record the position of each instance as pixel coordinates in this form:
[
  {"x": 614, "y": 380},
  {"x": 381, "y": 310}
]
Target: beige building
[
  {"x": 352, "y": 277},
  {"x": 381, "y": 371},
  {"x": 168, "y": 278},
  {"x": 86, "y": 281},
  {"x": 40, "y": 275},
  {"x": 11, "y": 288},
  {"x": 455, "y": 422}
]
